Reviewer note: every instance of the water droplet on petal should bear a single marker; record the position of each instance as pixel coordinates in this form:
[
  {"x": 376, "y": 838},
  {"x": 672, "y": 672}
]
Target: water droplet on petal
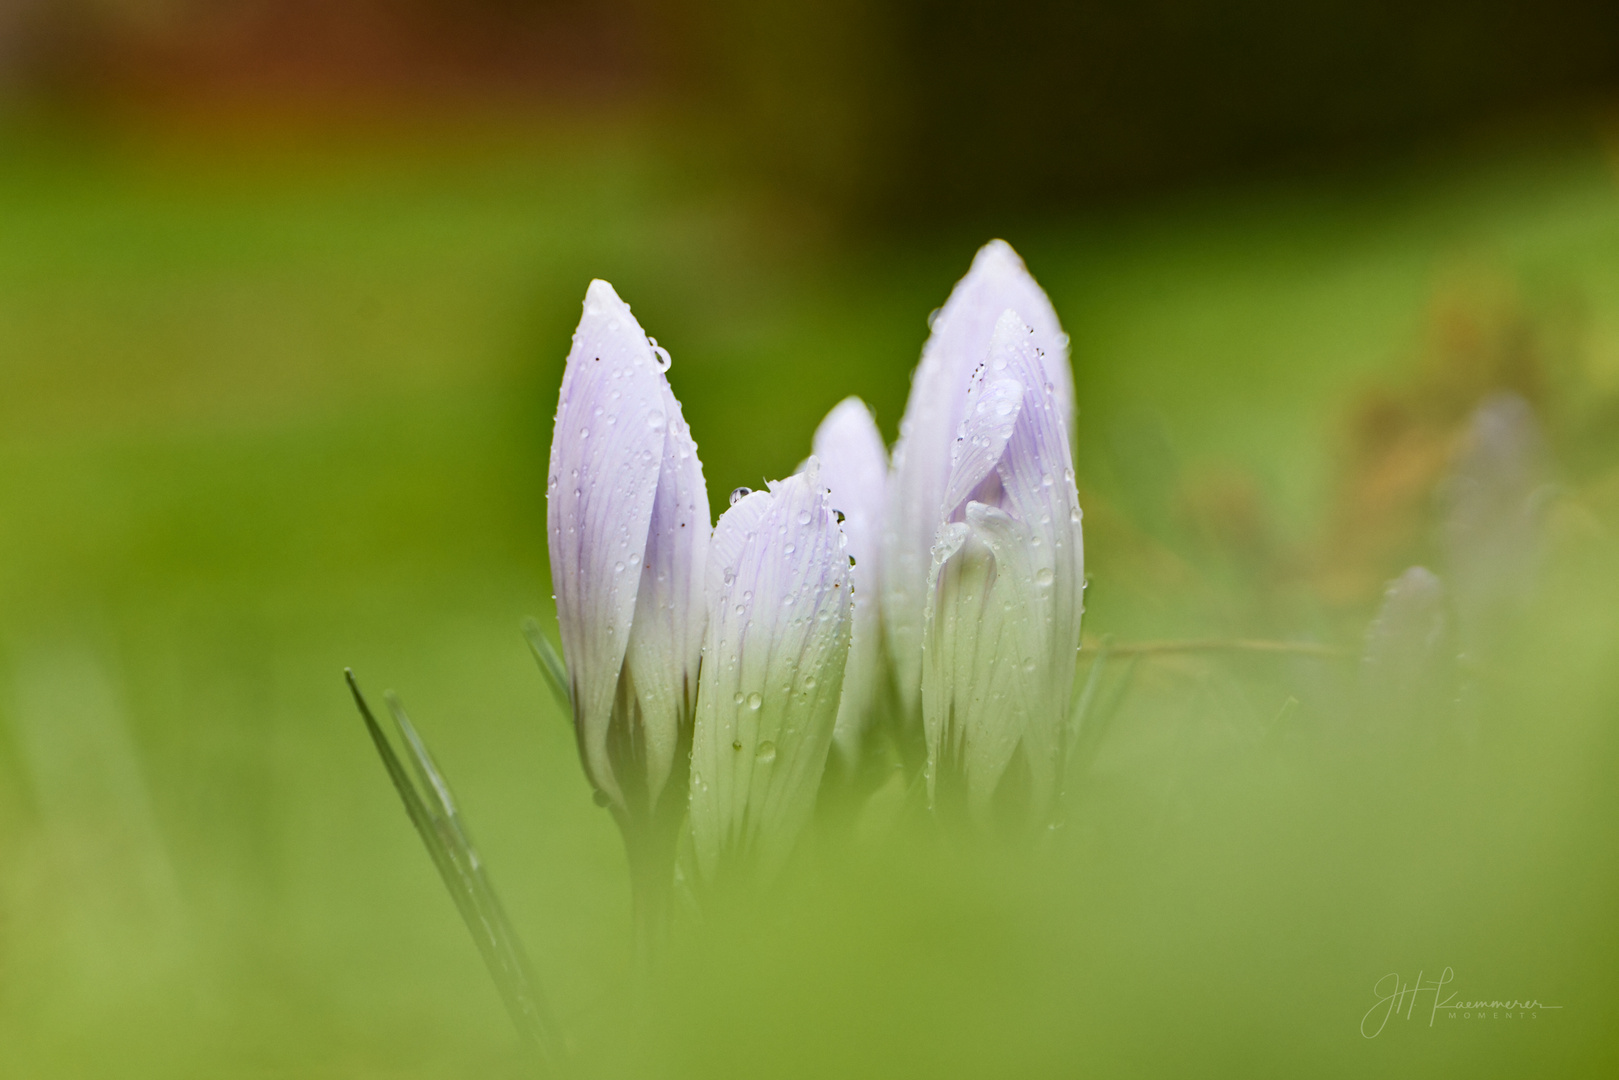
[
  {"x": 661, "y": 359},
  {"x": 739, "y": 494},
  {"x": 767, "y": 753},
  {"x": 754, "y": 701},
  {"x": 803, "y": 517},
  {"x": 1043, "y": 576}
]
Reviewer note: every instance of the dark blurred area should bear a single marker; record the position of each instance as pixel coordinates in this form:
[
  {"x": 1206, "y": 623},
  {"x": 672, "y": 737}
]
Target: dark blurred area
[{"x": 889, "y": 106}]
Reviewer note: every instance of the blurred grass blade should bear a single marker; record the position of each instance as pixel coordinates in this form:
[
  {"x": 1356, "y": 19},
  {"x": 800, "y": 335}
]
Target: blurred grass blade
[
  {"x": 551, "y": 665},
  {"x": 431, "y": 808},
  {"x": 1082, "y": 707},
  {"x": 1090, "y": 725}
]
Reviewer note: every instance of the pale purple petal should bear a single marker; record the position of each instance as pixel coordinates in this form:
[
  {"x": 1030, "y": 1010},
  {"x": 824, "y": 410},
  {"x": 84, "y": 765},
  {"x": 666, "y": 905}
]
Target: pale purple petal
[
  {"x": 666, "y": 640},
  {"x": 1006, "y": 585},
  {"x": 607, "y": 451},
  {"x": 773, "y": 660},
  {"x": 960, "y": 341},
  {"x": 854, "y": 466},
  {"x": 992, "y": 413}
]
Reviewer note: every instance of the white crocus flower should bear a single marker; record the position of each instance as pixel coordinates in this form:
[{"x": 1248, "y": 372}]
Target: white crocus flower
[
  {"x": 1005, "y": 586},
  {"x": 959, "y": 342},
  {"x": 854, "y": 466},
  {"x": 627, "y": 516},
  {"x": 779, "y": 611}
]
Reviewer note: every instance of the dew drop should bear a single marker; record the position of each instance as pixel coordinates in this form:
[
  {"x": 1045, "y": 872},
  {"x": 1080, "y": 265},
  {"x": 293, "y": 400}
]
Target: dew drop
[
  {"x": 767, "y": 753},
  {"x": 660, "y": 355},
  {"x": 1043, "y": 576},
  {"x": 754, "y": 701},
  {"x": 738, "y": 699},
  {"x": 739, "y": 494}
]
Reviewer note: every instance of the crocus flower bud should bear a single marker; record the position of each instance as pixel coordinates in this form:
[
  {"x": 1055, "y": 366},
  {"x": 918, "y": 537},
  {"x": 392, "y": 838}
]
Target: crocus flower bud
[
  {"x": 959, "y": 342},
  {"x": 627, "y": 514},
  {"x": 1408, "y": 670},
  {"x": 773, "y": 657},
  {"x": 854, "y": 466},
  {"x": 1495, "y": 502},
  {"x": 1004, "y": 588}
]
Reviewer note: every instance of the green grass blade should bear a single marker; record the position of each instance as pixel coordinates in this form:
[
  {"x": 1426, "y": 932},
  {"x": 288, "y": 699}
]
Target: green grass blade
[
  {"x": 551, "y": 665},
  {"x": 431, "y": 807}
]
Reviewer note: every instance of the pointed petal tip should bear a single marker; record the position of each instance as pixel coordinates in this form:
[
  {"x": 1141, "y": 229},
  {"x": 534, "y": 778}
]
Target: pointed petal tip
[
  {"x": 998, "y": 255},
  {"x": 602, "y": 302},
  {"x": 601, "y": 292},
  {"x": 848, "y": 404}
]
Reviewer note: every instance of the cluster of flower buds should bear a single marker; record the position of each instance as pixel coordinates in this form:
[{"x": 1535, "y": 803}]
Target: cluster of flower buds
[{"x": 712, "y": 670}]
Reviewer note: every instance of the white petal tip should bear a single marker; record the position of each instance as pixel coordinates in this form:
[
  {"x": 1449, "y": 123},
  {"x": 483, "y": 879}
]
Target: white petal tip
[
  {"x": 997, "y": 255},
  {"x": 601, "y": 299}
]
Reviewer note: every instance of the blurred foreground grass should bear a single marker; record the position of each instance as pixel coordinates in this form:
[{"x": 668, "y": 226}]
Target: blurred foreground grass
[{"x": 273, "y": 406}]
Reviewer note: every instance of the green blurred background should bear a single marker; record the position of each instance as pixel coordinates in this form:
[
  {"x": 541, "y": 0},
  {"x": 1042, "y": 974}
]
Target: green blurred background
[{"x": 285, "y": 292}]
